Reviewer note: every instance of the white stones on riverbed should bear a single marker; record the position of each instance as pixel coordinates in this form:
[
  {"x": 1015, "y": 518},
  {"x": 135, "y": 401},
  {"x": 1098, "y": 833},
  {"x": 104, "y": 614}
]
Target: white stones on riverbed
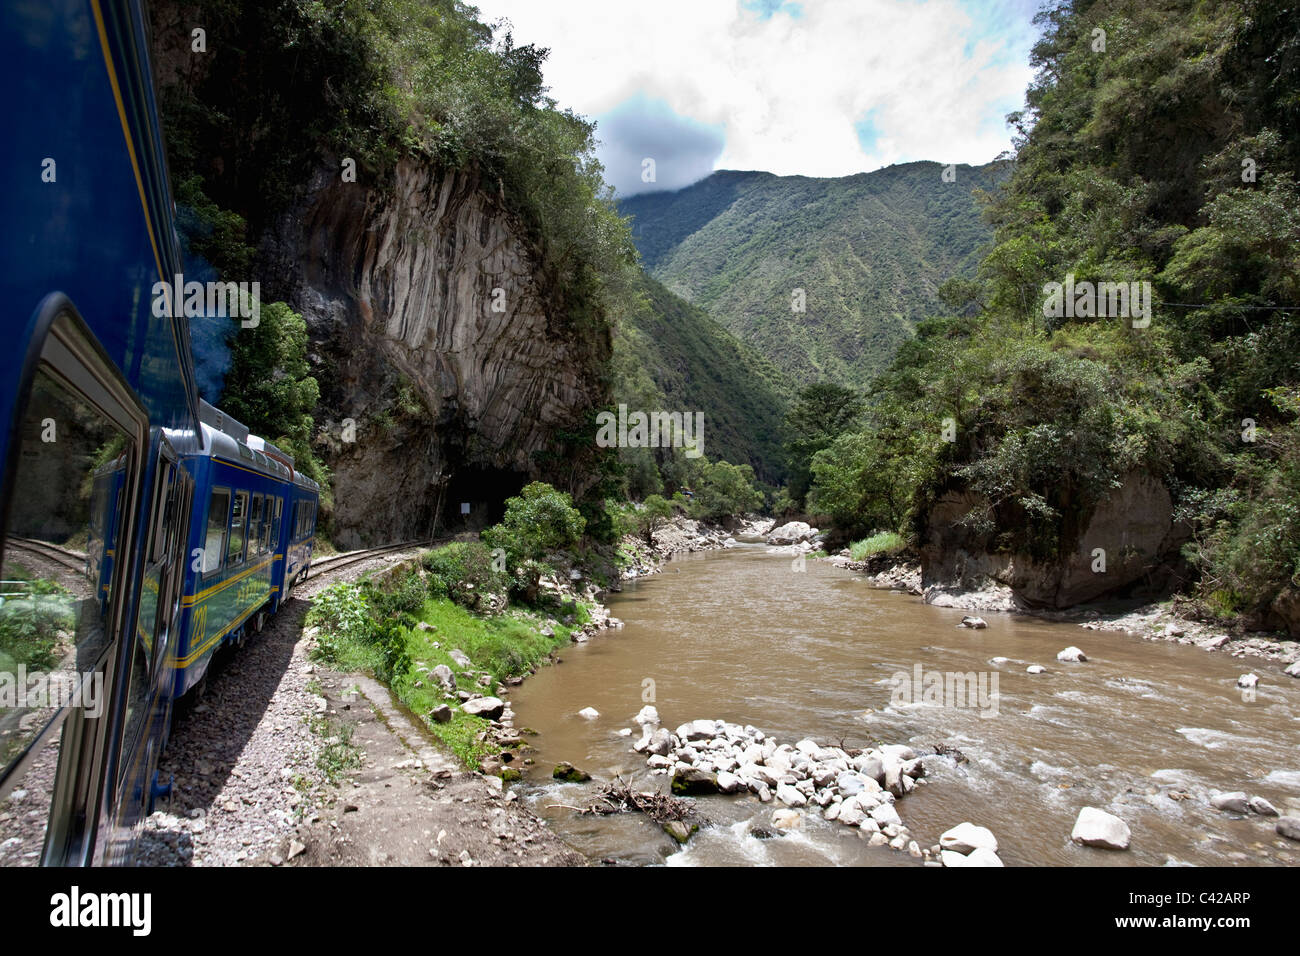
[
  {"x": 784, "y": 819},
  {"x": 1072, "y": 655},
  {"x": 1293, "y": 670},
  {"x": 590, "y": 713},
  {"x": 1262, "y": 807},
  {"x": 857, "y": 788},
  {"x": 1035, "y": 669},
  {"x": 980, "y": 856},
  {"x": 1100, "y": 829},
  {"x": 966, "y": 837},
  {"x": 975, "y": 623},
  {"x": 1234, "y": 801},
  {"x": 1248, "y": 680},
  {"x": 793, "y": 532}
]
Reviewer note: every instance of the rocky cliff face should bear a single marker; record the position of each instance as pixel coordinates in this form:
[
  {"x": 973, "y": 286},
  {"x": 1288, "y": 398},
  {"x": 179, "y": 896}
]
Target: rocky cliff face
[
  {"x": 1127, "y": 542},
  {"x": 445, "y": 360}
]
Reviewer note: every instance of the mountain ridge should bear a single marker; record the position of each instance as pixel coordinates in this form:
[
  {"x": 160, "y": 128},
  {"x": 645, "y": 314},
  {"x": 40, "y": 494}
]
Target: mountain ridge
[{"x": 869, "y": 251}]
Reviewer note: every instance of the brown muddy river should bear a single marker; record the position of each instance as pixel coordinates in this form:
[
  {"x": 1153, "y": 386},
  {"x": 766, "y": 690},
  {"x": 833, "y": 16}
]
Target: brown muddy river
[{"x": 739, "y": 635}]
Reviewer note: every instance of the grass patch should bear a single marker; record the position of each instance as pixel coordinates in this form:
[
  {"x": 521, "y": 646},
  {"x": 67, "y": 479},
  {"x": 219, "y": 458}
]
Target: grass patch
[
  {"x": 506, "y": 646},
  {"x": 409, "y": 624},
  {"x": 885, "y": 541},
  {"x": 338, "y": 756}
]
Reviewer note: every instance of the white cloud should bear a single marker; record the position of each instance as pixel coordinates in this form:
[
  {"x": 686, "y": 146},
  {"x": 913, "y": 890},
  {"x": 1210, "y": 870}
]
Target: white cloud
[{"x": 788, "y": 91}]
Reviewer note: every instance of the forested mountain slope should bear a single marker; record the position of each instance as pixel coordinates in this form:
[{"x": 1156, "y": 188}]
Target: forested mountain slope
[{"x": 869, "y": 253}]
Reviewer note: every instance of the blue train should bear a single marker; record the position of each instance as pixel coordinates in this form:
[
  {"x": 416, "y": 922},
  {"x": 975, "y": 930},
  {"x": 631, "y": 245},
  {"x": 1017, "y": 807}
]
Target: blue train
[{"x": 141, "y": 528}]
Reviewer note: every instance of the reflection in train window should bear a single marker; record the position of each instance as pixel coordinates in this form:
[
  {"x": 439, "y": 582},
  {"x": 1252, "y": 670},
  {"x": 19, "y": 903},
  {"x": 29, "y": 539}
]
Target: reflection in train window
[
  {"x": 215, "y": 542},
  {"x": 238, "y": 521},
  {"x": 60, "y": 547},
  {"x": 274, "y": 527},
  {"x": 255, "y": 528}
]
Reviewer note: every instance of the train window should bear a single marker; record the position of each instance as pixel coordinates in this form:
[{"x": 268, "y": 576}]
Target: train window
[
  {"x": 64, "y": 523},
  {"x": 271, "y": 529},
  {"x": 311, "y": 517},
  {"x": 238, "y": 529},
  {"x": 163, "y": 510},
  {"x": 214, "y": 542},
  {"x": 255, "y": 527}
]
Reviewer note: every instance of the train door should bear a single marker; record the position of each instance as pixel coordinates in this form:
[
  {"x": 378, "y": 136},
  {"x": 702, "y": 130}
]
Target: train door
[
  {"x": 61, "y": 618},
  {"x": 148, "y": 681}
]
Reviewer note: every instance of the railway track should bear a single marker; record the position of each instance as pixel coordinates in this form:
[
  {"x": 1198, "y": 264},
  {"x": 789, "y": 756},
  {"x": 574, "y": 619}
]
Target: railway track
[
  {"x": 72, "y": 560},
  {"x": 339, "y": 561}
]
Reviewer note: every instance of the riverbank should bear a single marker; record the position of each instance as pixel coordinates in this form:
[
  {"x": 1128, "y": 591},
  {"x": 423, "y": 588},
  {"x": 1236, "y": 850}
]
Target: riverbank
[
  {"x": 1156, "y": 621},
  {"x": 682, "y": 535}
]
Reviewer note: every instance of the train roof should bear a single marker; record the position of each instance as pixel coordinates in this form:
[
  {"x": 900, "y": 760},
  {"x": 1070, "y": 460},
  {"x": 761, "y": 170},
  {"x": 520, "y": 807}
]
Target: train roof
[{"x": 226, "y": 437}]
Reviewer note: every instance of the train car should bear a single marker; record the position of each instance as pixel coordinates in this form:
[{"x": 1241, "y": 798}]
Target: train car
[
  {"x": 239, "y": 541},
  {"x": 94, "y": 502}
]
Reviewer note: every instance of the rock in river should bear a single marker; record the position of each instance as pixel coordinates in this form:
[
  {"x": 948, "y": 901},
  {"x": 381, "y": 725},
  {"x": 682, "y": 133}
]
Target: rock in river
[
  {"x": 980, "y": 856},
  {"x": 1098, "y": 828},
  {"x": 1262, "y": 807},
  {"x": 1234, "y": 802},
  {"x": 569, "y": 773},
  {"x": 1072, "y": 655},
  {"x": 787, "y": 819},
  {"x": 790, "y": 796},
  {"x": 680, "y": 831},
  {"x": 591, "y": 713},
  {"x": 690, "y": 782},
  {"x": 967, "y": 837},
  {"x": 1289, "y": 827}
]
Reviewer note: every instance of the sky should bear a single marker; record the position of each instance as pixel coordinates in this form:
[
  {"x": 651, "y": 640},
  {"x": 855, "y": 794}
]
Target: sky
[{"x": 813, "y": 88}]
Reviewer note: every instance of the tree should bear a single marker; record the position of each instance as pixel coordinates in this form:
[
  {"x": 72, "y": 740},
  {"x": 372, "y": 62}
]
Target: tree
[
  {"x": 725, "y": 490},
  {"x": 539, "y": 520},
  {"x": 822, "y": 413},
  {"x": 270, "y": 387},
  {"x": 650, "y": 515}
]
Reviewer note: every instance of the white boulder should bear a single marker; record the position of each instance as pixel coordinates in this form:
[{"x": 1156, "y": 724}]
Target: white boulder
[
  {"x": 1101, "y": 829},
  {"x": 967, "y": 837}
]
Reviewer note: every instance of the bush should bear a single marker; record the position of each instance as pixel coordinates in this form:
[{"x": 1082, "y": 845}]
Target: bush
[
  {"x": 643, "y": 519},
  {"x": 541, "y": 519},
  {"x": 465, "y": 571}
]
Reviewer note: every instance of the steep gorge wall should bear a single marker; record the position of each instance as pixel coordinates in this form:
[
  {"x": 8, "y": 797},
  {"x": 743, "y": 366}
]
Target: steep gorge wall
[
  {"x": 1129, "y": 540},
  {"x": 433, "y": 329}
]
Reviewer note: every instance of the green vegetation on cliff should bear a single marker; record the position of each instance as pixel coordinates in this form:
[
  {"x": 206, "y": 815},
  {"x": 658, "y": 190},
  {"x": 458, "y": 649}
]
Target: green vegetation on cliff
[
  {"x": 286, "y": 91},
  {"x": 1170, "y": 156},
  {"x": 670, "y": 356}
]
